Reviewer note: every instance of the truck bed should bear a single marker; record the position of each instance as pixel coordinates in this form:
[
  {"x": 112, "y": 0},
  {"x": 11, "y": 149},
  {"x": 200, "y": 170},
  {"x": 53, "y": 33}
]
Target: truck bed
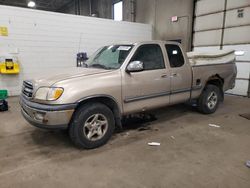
[{"x": 208, "y": 64}]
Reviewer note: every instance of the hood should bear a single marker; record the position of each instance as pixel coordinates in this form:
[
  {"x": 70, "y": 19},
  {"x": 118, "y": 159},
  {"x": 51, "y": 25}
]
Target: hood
[{"x": 65, "y": 74}]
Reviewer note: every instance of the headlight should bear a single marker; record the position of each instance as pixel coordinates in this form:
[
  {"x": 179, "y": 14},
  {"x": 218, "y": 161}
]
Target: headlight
[{"x": 49, "y": 93}]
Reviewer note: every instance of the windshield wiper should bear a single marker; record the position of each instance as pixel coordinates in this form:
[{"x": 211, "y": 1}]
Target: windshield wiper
[{"x": 100, "y": 66}]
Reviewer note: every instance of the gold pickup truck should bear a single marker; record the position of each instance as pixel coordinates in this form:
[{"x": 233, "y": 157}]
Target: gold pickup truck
[{"x": 123, "y": 79}]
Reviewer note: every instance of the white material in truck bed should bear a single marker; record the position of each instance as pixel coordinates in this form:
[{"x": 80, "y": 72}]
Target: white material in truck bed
[{"x": 208, "y": 58}]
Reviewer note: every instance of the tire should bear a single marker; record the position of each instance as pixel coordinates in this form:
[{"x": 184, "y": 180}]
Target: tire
[
  {"x": 209, "y": 99},
  {"x": 92, "y": 126}
]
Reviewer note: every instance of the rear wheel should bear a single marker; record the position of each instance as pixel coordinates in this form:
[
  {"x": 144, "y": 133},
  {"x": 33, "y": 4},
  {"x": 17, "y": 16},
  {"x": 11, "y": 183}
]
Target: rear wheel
[
  {"x": 92, "y": 125},
  {"x": 209, "y": 99}
]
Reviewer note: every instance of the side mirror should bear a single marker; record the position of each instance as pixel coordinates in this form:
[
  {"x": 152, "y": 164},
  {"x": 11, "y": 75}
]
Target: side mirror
[{"x": 135, "y": 66}]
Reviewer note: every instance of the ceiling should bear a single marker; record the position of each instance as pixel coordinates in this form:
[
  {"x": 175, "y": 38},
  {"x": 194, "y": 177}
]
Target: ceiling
[{"x": 50, "y": 5}]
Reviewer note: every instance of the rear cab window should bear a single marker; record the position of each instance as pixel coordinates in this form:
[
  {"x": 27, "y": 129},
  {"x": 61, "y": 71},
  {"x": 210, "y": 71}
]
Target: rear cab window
[{"x": 175, "y": 55}]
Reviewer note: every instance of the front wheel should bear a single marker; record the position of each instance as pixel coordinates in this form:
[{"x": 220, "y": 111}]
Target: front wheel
[
  {"x": 209, "y": 99},
  {"x": 92, "y": 125}
]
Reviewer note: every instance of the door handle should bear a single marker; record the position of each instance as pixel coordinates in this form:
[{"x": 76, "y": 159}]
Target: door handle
[
  {"x": 174, "y": 75},
  {"x": 164, "y": 75}
]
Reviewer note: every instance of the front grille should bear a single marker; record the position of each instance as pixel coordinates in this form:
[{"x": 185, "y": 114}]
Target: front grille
[{"x": 27, "y": 89}]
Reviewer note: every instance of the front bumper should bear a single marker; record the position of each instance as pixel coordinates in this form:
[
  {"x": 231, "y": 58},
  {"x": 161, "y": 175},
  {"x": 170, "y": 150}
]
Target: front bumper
[{"x": 47, "y": 116}]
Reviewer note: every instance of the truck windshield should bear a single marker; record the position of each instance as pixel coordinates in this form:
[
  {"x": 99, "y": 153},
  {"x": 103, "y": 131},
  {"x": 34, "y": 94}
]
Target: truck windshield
[{"x": 109, "y": 57}]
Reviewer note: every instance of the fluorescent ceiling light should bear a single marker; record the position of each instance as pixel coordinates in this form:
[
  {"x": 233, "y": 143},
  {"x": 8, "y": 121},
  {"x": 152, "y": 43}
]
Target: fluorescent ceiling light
[
  {"x": 174, "y": 52},
  {"x": 31, "y": 4},
  {"x": 239, "y": 53}
]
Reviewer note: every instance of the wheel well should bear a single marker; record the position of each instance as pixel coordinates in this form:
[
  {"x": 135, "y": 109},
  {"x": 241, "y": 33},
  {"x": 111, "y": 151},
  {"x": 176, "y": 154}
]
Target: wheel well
[
  {"x": 109, "y": 102},
  {"x": 217, "y": 81}
]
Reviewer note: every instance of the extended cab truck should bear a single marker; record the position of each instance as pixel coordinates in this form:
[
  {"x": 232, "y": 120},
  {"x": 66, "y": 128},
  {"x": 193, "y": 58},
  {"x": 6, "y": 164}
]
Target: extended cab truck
[{"x": 123, "y": 79}]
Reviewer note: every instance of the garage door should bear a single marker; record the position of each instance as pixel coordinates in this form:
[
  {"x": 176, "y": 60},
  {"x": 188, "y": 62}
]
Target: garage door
[{"x": 225, "y": 24}]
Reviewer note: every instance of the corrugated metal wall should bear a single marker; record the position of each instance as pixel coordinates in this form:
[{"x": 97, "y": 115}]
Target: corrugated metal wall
[
  {"x": 48, "y": 42},
  {"x": 225, "y": 24}
]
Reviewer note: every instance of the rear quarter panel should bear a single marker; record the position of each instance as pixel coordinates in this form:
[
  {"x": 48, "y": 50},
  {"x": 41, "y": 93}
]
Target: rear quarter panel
[{"x": 226, "y": 71}]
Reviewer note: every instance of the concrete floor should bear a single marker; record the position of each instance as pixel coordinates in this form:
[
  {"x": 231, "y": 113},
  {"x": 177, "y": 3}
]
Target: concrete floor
[{"x": 191, "y": 153}]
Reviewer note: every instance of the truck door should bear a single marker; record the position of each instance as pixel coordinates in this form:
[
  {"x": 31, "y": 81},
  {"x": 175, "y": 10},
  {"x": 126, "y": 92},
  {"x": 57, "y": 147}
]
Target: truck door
[
  {"x": 180, "y": 74},
  {"x": 149, "y": 88}
]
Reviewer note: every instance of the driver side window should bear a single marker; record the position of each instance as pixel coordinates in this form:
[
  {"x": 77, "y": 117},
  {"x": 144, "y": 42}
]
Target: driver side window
[{"x": 151, "y": 56}]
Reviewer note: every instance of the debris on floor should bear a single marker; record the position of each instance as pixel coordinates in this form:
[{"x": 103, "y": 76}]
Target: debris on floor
[
  {"x": 125, "y": 134},
  {"x": 247, "y": 115},
  {"x": 248, "y": 164},
  {"x": 147, "y": 128},
  {"x": 154, "y": 144},
  {"x": 172, "y": 137},
  {"x": 213, "y": 125},
  {"x": 144, "y": 128},
  {"x": 140, "y": 122}
]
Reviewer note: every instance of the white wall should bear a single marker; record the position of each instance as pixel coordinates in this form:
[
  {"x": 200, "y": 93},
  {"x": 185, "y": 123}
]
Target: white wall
[{"x": 47, "y": 42}]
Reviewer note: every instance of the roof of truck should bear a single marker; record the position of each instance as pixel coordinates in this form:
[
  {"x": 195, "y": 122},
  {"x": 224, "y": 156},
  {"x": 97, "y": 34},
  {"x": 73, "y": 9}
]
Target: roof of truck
[{"x": 144, "y": 42}]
